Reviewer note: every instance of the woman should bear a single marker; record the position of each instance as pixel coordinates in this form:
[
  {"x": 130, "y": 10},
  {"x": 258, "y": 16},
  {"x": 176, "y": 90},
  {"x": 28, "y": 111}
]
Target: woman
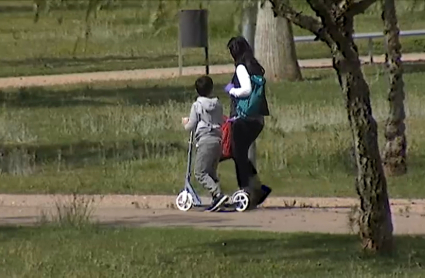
[{"x": 246, "y": 130}]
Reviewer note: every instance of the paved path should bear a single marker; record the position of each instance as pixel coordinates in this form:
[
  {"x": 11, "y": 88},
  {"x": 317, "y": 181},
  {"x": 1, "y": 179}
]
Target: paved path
[
  {"x": 325, "y": 215},
  {"x": 161, "y": 73}
]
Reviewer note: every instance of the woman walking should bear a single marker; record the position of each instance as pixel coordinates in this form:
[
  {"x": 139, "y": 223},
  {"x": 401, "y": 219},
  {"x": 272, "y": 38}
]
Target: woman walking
[{"x": 245, "y": 130}]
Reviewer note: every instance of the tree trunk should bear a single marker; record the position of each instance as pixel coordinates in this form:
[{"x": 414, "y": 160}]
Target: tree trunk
[
  {"x": 291, "y": 67},
  {"x": 375, "y": 221},
  {"x": 375, "y": 214},
  {"x": 394, "y": 153},
  {"x": 335, "y": 28},
  {"x": 274, "y": 45},
  {"x": 249, "y": 19}
]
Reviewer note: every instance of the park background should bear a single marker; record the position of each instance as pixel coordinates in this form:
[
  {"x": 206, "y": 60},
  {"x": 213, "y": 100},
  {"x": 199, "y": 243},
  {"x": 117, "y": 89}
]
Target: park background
[{"x": 125, "y": 137}]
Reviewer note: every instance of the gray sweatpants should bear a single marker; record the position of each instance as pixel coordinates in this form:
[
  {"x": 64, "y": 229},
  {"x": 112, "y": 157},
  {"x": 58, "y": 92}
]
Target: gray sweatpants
[{"x": 208, "y": 153}]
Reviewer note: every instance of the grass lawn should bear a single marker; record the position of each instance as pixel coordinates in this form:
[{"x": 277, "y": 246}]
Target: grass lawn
[
  {"x": 183, "y": 252},
  {"x": 126, "y": 137},
  {"x": 122, "y": 39}
]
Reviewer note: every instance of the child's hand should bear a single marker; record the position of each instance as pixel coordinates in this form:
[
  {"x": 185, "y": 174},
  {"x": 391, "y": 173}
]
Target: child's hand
[{"x": 185, "y": 120}]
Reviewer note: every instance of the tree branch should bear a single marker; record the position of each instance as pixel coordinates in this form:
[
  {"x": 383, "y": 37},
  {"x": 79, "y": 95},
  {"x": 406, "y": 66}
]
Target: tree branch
[
  {"x": 359, "y": 7},
  {"x": 281, "y": 8},
  {"x": 327, "y": 12},
  {"x": 324, "y": 12}
]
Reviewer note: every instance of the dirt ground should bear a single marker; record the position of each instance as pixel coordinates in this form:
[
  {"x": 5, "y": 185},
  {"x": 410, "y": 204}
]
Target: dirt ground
[
  {"x": 327, "y": 215},
  {"x": 63, "y": 79},
  {"x": 278, "y": 214}
]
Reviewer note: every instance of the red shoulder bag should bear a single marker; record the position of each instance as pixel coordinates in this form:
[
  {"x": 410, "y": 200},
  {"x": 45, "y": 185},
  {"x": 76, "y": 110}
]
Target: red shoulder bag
[{"x": 226, "y": 129}]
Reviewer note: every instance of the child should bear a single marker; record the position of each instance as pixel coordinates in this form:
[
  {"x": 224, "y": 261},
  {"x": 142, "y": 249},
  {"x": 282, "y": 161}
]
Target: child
[{"x": 206, "y": 118}]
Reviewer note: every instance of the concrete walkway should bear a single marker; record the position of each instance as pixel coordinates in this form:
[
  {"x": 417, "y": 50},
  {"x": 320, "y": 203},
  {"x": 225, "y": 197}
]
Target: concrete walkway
[
  {"x": 161, "y": 73},
  {"x": 279, "y": 214}
]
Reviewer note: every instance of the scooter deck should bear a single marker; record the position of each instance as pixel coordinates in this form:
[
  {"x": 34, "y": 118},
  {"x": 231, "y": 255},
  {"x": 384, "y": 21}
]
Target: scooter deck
[{"x": 223, "y": 209}]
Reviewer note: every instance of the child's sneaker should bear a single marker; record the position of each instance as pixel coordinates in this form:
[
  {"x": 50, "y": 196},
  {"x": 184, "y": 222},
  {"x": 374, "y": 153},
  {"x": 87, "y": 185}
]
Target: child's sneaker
[
  {"x": 265, "y": 193},
  {"x": 217, "y": 201}
]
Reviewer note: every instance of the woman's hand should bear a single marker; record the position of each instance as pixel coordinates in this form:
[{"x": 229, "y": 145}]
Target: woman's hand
[{"x": 228, "y": 87}]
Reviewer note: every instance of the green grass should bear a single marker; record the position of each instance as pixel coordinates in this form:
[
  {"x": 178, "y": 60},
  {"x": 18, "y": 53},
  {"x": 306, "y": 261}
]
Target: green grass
[
  {"x": 126, "y": 137},
  {"x": 183, "y": 252},
  {"x": 122, "y": 39}
]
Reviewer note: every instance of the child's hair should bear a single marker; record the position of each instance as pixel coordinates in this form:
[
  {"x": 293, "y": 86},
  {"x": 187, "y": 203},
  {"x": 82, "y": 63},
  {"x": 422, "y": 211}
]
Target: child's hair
[{"x": 204, "y": 86}]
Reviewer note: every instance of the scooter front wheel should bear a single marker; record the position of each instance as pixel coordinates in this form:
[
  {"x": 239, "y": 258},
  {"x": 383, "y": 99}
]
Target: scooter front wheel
[{"x": 184, "y": 201}]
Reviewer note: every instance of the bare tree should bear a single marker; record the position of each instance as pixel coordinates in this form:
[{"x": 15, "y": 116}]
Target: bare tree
[
  {"x": 249, "y": 19},
  {"x": 334, "y": 26},
  {"x": 274, "y": 45},
  {"x": 394, "y": 153}
]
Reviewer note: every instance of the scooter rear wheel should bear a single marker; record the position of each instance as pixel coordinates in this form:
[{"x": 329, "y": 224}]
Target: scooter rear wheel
[{"x": 241, "y": 201}]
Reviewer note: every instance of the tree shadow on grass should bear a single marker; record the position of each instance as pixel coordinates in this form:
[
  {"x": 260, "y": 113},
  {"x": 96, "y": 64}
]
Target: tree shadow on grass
[
  {"x": 7, "y": 8},
  {"x": 345, "y": 161},
  {"x": 14, "y": 232},
  {"x": 70, "y": 62},
  {"x": 82, "y": 154},
  {"x": 88, "y": 96},
  {"x": 326, "y": 251},
  {"x": 408, "y": 67}
]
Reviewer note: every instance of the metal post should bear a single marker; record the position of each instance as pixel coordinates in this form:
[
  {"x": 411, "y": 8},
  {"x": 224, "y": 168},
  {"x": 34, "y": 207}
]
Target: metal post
[
  {"x": 207, "y": 63},
  {"x": 370, "y": 46},
  {"x": 386, "y": 45},
  {"x": 193, "y": 33},
  {"x": 179, "y": 46},
  {"x": 387, "y": 62}
]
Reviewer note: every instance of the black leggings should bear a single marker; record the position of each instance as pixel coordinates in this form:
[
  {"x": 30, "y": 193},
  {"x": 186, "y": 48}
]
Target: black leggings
[{"x": 244, "y": 133}]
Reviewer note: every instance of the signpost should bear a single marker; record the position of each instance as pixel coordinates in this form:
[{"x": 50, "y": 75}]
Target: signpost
[{"x": 193, "y": 33}]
